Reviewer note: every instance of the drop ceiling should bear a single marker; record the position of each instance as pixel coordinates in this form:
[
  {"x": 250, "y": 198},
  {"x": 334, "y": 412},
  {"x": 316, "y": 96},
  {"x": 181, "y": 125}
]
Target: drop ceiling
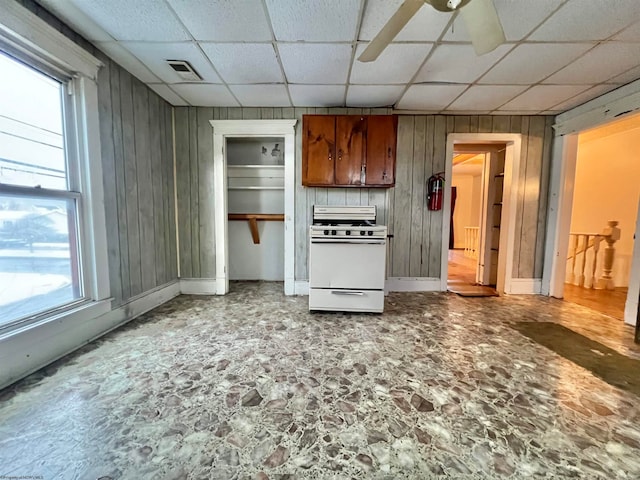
[{"x": 283, "y": 53}]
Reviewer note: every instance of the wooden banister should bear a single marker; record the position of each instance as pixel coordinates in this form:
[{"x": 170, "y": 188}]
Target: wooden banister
[{"x": 253, "y": 218}]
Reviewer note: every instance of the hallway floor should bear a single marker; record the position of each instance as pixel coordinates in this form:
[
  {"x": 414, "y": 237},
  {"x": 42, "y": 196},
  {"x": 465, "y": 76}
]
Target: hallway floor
[
  {"x": 609, "y": 302},
  {"x": 253, "y": 386}
]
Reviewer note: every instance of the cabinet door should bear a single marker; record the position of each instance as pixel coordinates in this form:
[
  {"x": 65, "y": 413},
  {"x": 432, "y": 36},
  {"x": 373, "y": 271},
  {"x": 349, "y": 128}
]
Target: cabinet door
[
  {"x": 318, "y": 149},
  {"x": 381, "y": 150},
  {"x": 351, "y": 133}
]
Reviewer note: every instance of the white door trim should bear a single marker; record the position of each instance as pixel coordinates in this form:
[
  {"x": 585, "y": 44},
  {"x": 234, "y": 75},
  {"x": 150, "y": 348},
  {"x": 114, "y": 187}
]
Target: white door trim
[
  {"x": 509, "y": 202},
  {"x": 252, "y": 128}
]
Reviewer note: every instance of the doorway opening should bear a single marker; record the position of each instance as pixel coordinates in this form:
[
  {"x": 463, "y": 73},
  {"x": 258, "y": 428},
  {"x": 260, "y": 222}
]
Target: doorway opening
[
  {"x": 483, "y": 168},
  {"x": 254, "y": 183},
  {"x": 604, "y": 219}
]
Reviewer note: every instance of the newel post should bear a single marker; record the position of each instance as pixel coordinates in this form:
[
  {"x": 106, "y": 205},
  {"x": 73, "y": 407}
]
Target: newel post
[{"x": 611, "y": 235}]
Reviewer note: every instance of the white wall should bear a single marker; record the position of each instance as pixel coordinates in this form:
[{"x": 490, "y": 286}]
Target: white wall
[
  {"x": 468, "y": 202},
  {"x": 607, "y": 187}
]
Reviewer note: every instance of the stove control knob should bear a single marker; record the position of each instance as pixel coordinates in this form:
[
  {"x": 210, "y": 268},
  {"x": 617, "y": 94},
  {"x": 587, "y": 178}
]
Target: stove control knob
[
  {"x": 370, "y": 232},
  {"x": 326, "y": 232},
  {"x": 361, "y": 232},
  {"x": 348, "y": 232},
  {"x": 333, "y": 232}
]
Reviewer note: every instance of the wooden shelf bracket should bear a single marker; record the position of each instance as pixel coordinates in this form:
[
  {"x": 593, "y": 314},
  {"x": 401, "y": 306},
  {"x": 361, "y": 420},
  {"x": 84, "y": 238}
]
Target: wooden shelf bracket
[{"x": 253, "y": 218}]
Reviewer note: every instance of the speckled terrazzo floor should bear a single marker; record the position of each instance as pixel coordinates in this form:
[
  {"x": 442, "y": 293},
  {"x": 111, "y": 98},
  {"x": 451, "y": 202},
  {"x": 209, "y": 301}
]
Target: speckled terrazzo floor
[{"x": 252, "y": 386}]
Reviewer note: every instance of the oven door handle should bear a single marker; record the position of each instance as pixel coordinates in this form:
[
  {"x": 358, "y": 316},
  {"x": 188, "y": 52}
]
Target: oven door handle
[
  {"x": 347, "y": 292},
  {"x": 346, "y": 242}
]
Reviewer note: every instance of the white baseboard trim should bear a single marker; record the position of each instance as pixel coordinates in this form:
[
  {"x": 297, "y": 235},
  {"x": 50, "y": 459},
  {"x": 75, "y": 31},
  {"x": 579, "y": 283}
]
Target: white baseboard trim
[
  {"x": 32, "y": 348},
  {"x": 198, "y": 286},
  {"x": 301, "y": 287},
  {"x": 413, "y": 284},
  {"x": 525, "y": 286}
]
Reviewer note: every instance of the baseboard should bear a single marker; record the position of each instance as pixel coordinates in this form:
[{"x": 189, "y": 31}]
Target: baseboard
[
  {"x": 301, "y": 287},
  {"x": 198, "y": 286},
  {"x": 525, "y": 286},
  {"x": 32, "y": 348},
  {"x": 413, "y": 284}
]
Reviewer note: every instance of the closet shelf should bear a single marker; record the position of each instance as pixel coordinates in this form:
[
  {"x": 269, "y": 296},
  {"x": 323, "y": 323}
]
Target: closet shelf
[{"x": 253, "y": 218}]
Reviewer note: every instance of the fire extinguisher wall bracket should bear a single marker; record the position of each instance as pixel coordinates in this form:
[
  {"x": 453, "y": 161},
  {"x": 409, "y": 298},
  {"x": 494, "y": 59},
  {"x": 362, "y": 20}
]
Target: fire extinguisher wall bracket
[{"x": 435, "y": 191}]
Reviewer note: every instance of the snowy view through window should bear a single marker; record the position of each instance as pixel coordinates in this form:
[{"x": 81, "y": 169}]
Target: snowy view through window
[{"x": 38, "y": 260}]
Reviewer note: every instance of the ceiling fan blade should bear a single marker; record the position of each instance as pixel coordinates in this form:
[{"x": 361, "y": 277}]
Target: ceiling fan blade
[
  {"x": 385, "y": 36},
  {"x": 483, "y": 25}
]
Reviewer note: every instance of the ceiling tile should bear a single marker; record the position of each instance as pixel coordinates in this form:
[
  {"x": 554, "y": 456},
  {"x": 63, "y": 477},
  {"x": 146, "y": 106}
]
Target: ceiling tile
[
  {"x": 154, "y": 55},
  {"x": 128, "y": 61},
  {"x": 583, "y": 97},
  {"x": 626, "y": 77},
  {"x": 314, "y": 20},
  {"x": 77, "y": 19},
  {"x": 317, "y": 95},
  {"x": 530, "y": 63},
  {"x": 315, "y": 63},
  {"x": 615, "y": 57},
  {"x": 517, "y": 18},
  {"x": 224, "y": 21},
  {"x": 543, "y": 97},
  {"x": 261, "y": 95},
  {"x": 432, "y": 98},
  {"x": 244, "y": 62},
  {"x": 169, "y": 95},
  {"x": 205, "y": 94},
  {"x": 458, "y": 63},
  {"x": 396, "y": 64},
  {"x": 629, "y": 34},
  {"x": 426, "y": 25},
  {"x": 373, "y": 95},
  {"x": 587, "y": 20},
  {"x": 486, "y": 97},
  {"x": 142, "y": 20}
]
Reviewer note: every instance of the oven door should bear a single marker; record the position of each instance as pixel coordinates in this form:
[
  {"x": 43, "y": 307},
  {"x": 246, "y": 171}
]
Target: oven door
[{"x": 351, "y": 264}]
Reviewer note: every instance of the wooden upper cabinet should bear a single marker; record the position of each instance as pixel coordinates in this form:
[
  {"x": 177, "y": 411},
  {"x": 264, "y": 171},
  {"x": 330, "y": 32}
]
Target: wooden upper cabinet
[
  {"x": 319, "y": 150},
  {"x": 351, "y": 131},
  {"x": 380, "y": 166},
  {"x": 349, "y": 150}
]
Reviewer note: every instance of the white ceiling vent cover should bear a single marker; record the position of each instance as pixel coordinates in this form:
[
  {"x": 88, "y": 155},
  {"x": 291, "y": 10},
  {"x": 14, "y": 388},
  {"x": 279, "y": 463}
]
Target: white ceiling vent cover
[{"x": 184, "y": 70}]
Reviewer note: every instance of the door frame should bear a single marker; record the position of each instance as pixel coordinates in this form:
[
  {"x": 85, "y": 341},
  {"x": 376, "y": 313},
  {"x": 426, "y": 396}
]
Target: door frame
[
  {"x": 561, "y": 190},
  {"x": 223, "y": 129},
  {"x": 513, "y": 141}
]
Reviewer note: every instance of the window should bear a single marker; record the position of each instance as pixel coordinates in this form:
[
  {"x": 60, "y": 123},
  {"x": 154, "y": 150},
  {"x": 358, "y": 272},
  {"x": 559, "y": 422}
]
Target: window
[
  {"x": 39, "y": 263},
  {"x": 53, "y": 260}
]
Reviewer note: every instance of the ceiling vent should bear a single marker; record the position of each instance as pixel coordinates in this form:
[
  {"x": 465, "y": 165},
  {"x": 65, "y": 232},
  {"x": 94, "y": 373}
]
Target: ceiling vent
[{"x": 184, "y": 70}]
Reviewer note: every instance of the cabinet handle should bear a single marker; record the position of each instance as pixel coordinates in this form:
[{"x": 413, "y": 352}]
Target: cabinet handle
[
  {"x": 340, "y": 154},
  {"x": 330, "y": 156},
  {"x": 389, "y": 152}
]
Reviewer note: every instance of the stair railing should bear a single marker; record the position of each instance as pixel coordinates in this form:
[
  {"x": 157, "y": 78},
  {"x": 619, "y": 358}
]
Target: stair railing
[{"x": 581, "y": 245}]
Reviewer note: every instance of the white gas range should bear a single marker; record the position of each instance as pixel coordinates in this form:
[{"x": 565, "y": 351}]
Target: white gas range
[{"x": 347, "y": 258}]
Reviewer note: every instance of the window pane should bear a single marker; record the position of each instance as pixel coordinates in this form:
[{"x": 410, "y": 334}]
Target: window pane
[
  {"x": 38, "y": 255},
  {"x": 31, "y": 141}
]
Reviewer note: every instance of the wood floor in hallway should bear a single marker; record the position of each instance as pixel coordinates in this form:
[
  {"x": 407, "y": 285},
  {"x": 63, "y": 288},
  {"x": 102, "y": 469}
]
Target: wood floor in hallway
[{"x": 609, "y": 302}]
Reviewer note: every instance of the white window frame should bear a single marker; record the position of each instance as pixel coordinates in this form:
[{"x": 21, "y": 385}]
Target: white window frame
[{"x": 24, "y": 34}]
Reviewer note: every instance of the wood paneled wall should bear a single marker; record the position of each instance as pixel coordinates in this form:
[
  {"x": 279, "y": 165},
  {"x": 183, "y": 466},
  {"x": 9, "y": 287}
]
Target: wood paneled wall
[
  {"x": 137, "y": 164},
  {"x": 415, "y": 248}
]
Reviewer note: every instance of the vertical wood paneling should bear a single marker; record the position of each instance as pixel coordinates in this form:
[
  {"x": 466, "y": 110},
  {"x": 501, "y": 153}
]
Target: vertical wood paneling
[
  {"x": 543, "y": 197},
  {"x": 402, "y": 198},
  {"x": 524, "y": 125},
  {"x": 417, "y": 196},
  {"x": 194, "y": 219},
  {"x": 302, "y": 211},
  {"x": 121, "y": 191},
  {"x": 109, "y": 179},
  {"x": 205, "y": 193},
  {"x": 428, "y": 171},
  {"x": 131, "y": 182},
  {"x": 441, "y": 126},
  {"x": 157, "y": 187},
  {"x": 171, "y": 212},
  {"x": 145, "y": 187},
  {"x": 183, "y": 178}
]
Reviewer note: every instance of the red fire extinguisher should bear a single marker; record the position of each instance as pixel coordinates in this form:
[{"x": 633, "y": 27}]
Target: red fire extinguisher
[{"x": 435, "y": 191}]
